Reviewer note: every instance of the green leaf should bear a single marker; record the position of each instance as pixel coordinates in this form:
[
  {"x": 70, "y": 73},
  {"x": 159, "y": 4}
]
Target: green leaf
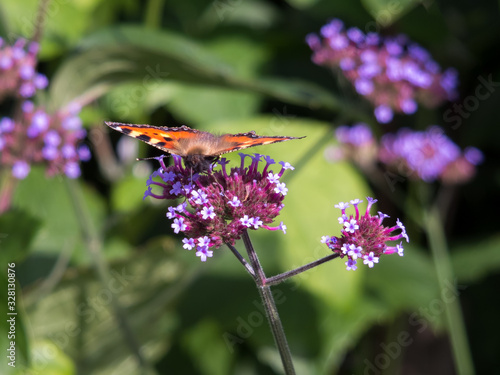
[
  {"x": 207, "y": 334},
  {"x": 217, "y": 104},
  {"x": 77, "y": 317},
  {"x": 126, "y": 194},
  {"x": 48, "y": 200},
  {"x": 55, "y": 363},
  {"x": 131, "y": 53},
  {"x": 17, "y": 230},
  {"x": 386, "y": 12},
  {"x": 474, "y": 261},
  {"x": 64, "y": 22}
]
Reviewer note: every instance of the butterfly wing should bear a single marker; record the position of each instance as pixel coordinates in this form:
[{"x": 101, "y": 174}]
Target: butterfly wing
[
  {"x": 234, "y": 142},
  {"x": 170, "y": 140}
]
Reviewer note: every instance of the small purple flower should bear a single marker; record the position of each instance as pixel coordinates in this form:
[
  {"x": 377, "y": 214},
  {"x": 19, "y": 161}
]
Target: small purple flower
[
  {"x": 178, "y": 225},
  {"x": 68, "y": 151},
  {"x": 6, "y": 125},
  {"x": 383, "y": 114},
  {"x": 207, "y": 213},
  {"x": 199, "y": 197},
  {"x": 83, "y": 152},
  {"x": 342, "y": 206},
  {"x": 273, "y": 178},
  {"x": 72, "y": 123},
  {"x": 355, "y": 251},
  {"x": 72, "y": 169},
  {"x": 203, "y": 242},
  {"x": 50, "y": 152},
  {"x": 256, "y": 223},
  {"x": 364, "y": 86},
  {"x": 246, "y": 221},
  {"x": 204, "y": 253},
  {"x": 351, "y": 226},
  {"x": 370, "y": 259},
  {"x": 281, "y": 188},
  {"x": 176, "y": 188},
  {"x": 188, "y": 243},
  {"x": 20, "y": 169},
  {"x": 365, "y": 237},
  {"x": 351, "y": 265},
  {"x": 52, "y": 138},
  {"x": 235, "y": 202}
]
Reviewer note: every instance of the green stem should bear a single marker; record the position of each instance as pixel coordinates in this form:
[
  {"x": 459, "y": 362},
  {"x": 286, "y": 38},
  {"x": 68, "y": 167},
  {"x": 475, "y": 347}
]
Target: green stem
[
  {"x": 8, "y": 185},
  {"x": 153, "y": 14},
  {"x": 93, "y": 246},
  {"x": 456, "y": 327},
  {"x": 273, "y": 280},
  {"x": 270, "y": 307}
]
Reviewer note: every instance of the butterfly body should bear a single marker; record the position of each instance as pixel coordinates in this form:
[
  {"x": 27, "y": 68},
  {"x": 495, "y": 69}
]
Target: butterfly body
[{"x": 199, "y": 149}]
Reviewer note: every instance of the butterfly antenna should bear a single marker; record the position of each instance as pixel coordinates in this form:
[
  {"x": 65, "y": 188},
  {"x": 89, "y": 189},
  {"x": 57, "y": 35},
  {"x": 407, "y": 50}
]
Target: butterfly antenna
[{"x": 151, "y": 158}]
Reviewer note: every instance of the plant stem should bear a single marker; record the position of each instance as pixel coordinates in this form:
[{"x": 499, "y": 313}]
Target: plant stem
[
  {"x": 8, "y": 185},
  {"x": 270, "y": 307},
  {"x": 93, "y": 246},
  {"x": 273, "y": 280},
  {"x": 153, "y": 14},
  {"x": 456, "y": 327}
]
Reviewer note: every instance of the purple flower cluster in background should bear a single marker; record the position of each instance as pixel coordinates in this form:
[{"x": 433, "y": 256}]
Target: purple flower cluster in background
[
  {"x": 428, "y": 155},
  {"x": 363, "y": 237},
  {"x": 39, "y": 137},
  {"x": 18, "y": 77},
  {"x": 33, "y": 135},
  {"x": 393, "y": 73},
  {"x": 219, "y": 206}
]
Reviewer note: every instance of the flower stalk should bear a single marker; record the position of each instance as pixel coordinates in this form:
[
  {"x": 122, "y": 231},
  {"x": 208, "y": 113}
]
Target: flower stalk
[
  {"x": 270, "y": 307},
  {"x": 456, "y": 328}
]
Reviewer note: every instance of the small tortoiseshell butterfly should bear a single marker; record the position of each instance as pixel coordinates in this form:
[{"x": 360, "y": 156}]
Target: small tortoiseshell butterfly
[{"x": 199, "y": 149}]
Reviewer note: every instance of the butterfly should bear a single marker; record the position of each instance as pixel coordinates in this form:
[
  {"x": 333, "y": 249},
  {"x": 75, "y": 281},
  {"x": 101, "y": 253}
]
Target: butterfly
[{"x": 199, "y": 149}]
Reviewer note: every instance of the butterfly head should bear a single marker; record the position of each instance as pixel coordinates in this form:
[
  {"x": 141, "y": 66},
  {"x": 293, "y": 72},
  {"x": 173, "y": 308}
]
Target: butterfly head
[{"x": 199, "y": 163}]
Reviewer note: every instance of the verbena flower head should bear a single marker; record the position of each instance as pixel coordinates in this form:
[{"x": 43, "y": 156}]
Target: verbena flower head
[
  {"x": 219, "y": 206},
  {"x": 18, "y": 77},
  {"x": 429, "y": 155},
  {"x": 38, "y": 137},
  {"x": 393, "y": 73},
  {"x": 364, "y": 238}
]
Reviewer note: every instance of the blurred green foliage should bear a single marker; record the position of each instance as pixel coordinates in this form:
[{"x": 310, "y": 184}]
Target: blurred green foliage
[{"x": 231, "y": 66}]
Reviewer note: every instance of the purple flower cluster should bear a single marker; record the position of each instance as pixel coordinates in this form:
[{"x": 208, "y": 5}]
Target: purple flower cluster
[
  {"x": 363, "y": 237},
  {"x": 220, "y": 205},
  {"x": 429, "y": 155},
  {"x": 18, "y": 77},
  {"x": 33, "y": 135},
  {"x": 39, "y": 137},
  {"x": 391, "y": 72}
]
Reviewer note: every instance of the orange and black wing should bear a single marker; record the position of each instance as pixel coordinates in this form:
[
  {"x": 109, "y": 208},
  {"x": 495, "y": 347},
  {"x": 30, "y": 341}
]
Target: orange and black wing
[
  {"x": 234, "y": 142},
  {"x": 164, "y": 138}
]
